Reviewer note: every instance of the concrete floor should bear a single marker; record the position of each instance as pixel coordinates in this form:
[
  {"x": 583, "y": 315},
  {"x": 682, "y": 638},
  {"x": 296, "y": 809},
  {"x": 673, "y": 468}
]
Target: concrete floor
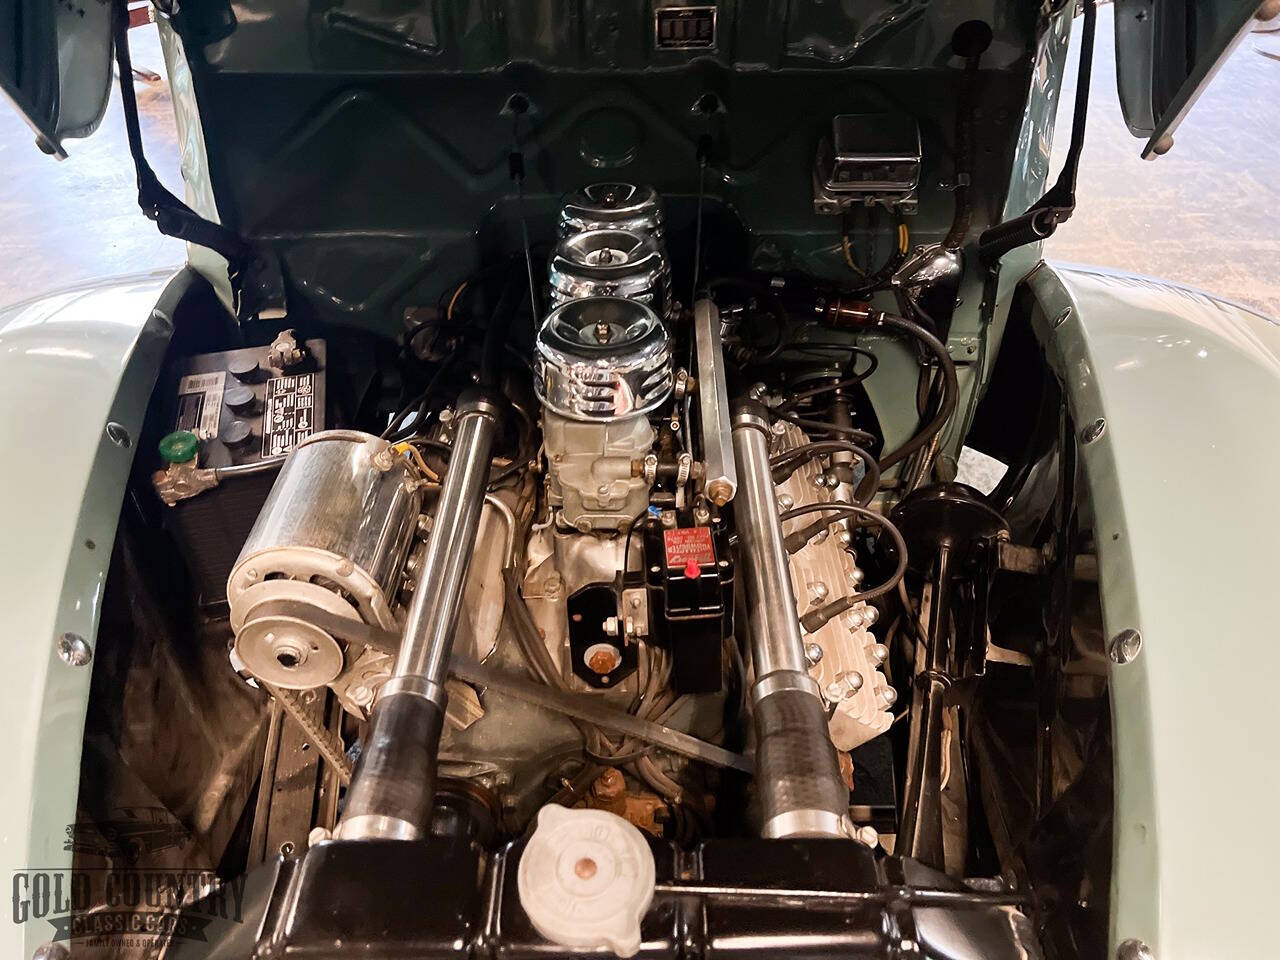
[
  {"x": 61, "y": 222},
  {"x": 1207, "y": 214}
]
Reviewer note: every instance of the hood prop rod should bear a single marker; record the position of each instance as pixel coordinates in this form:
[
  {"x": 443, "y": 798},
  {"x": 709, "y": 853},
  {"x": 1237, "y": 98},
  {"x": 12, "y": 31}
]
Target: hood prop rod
[
  {"x": 1059, "y": 201},
  {"x": 257, "y": 283}
]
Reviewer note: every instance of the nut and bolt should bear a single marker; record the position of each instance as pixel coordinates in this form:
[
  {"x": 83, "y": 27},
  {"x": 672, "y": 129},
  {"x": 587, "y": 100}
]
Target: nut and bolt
[
  {"x": 1133, "y": 949},
  {"x": 1125, "y": 646},
  {"x": 118, "y": 435},
  {"x": 845, "y": 685},
  {"x": 720, "y": 492},
  {"x": 610, "y": 784},
  {"x": 74, "y": 650},
  {"x": 1093, "y": 431},
  {"x": 812, "y": 653}
]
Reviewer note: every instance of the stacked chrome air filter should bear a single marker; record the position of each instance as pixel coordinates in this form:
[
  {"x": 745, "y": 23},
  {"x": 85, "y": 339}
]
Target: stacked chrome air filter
[
  {"x": 602, "y": 358},
  {"x": 611, "y": 245},
  {"x": 613, "y": 206}
]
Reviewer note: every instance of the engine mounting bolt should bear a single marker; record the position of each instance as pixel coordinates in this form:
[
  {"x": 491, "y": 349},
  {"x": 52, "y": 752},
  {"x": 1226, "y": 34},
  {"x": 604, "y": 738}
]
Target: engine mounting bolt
[
  {"x": 820, "y": 590},
  {"x": 880, "y": 652},
  {"x": 603, "y": 658},
  {"x": 813, "y": 653},
  {"x": 610, "y": 784},
  {"x": 890, "y": 696},
  {"x": 871, "y": 615},
  {"x": 779, "y": 428},
  {"x": 1093, "y": 431},
  {"x": 856, "y": 576},
  {"x": 819, "y": 479},
  {"x": 785, "y": 502},
  {"x": 856, "y": 620},
  {"x": 1125, "y": 646},
  {"x": 73, "y": 650}
]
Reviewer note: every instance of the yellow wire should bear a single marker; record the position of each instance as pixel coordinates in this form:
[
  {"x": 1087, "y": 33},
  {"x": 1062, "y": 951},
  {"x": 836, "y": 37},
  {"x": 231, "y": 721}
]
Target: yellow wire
[
  {"x": 848, "y": 256},
  {"x": 903, "y": 238},
  {"x": 410, "y": 449},
  {"x": 448, "y": 314}
]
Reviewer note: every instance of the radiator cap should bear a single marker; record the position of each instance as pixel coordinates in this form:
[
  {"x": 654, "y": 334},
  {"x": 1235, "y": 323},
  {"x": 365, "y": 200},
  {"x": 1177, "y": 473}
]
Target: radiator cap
[{"x": 586, "y": 878}]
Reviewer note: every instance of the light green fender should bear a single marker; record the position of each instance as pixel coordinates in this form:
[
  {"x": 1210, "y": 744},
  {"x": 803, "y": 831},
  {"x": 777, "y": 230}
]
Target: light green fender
[
  {"x": 76, "y": 371},
  {"x": 1184, "y": 482}
]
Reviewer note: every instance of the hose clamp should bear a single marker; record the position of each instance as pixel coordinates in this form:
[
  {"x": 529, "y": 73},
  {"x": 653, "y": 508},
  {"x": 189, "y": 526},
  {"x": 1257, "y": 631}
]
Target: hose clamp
[
  {"x": 417, "y": 687},
  {"x": 781, "y": 681}
]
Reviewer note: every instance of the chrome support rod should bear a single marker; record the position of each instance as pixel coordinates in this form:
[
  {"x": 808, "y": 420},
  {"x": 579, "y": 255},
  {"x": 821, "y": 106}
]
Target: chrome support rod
[
  {"x": 393, "y": 785},
  {"x": 797, "y": 774},
  {"x": 721, "y": 480}
]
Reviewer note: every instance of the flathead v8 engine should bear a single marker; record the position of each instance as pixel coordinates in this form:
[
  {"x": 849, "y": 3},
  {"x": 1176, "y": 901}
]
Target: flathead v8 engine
[{"x": 601, "y": 605}]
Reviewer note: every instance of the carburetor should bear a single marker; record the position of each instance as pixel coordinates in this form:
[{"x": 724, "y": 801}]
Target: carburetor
[{"x": 601, "y": 365}]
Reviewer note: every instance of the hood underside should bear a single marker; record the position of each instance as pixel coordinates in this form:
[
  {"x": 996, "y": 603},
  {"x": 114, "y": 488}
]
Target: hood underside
[{"x": 368, "y": 144}]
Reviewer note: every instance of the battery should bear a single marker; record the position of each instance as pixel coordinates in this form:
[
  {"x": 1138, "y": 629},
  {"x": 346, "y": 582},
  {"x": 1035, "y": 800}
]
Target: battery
[{"x": 248, "y": 415}]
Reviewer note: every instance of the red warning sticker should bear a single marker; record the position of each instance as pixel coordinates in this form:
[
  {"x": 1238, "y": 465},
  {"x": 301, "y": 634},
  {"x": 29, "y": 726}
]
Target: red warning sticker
[{"x": 689, "y": 544}]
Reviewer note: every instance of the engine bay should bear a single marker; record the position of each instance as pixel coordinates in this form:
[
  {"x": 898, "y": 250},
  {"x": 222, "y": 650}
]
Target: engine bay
[{"x": 627, "y": 608}]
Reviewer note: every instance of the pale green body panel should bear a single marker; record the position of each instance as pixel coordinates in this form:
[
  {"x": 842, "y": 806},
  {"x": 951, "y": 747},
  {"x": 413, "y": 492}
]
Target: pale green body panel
[
  {"x": 1183, "y": 489},
  {"x": 70, "y": 364}
]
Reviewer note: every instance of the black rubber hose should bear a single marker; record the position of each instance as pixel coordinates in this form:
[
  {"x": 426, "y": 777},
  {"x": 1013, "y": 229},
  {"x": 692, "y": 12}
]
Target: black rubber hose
[
  {"x": 950, "y": 387},
  {"x": 788, "y": 462},
  {"x": 805, "y": 534}
]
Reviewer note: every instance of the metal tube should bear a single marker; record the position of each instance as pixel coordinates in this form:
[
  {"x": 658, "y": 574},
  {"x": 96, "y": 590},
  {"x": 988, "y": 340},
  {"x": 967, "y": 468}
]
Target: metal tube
[
  {"x": 394, "y": 781},
  {"x": 433, "y": 614},
  {"x": 721, "y": 480},
  {"x": 776, "y": 641},
  {"x": 920, "y": 833},
  {"x": 797, "y": 774}
]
